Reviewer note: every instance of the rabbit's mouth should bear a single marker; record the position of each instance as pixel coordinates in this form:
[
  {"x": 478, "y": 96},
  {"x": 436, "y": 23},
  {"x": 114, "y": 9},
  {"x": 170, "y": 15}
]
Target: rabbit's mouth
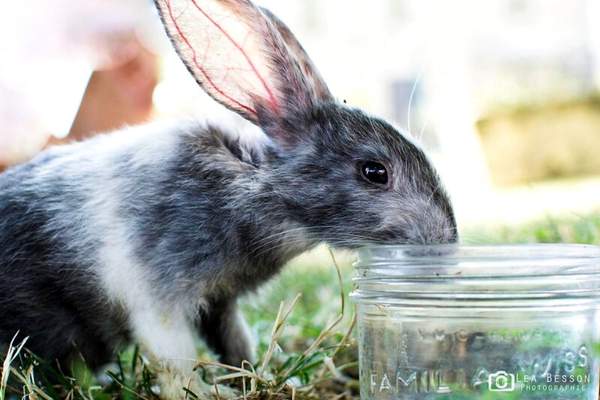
[
  {"x": 391, "y": 236},
  {"x": 354, "y": 241},
  {"x": 417, "y": 235}
]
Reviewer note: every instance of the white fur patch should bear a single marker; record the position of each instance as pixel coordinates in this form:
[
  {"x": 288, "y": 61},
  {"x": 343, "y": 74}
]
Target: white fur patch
[{"x": 164, "y": 329}]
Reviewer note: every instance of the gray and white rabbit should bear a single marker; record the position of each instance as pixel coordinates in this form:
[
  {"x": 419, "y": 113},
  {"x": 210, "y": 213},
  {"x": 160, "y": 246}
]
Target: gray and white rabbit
[{"x": 152, "y": 235}]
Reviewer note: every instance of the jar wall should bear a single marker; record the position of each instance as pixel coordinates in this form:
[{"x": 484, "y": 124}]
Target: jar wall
[{"x": 431, "y": 357}]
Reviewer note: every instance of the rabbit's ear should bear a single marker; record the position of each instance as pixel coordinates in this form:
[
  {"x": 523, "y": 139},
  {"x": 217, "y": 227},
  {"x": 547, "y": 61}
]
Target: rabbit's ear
[
  {"x": 313, "y": 79},
  {"x": 244, "y": 57}
]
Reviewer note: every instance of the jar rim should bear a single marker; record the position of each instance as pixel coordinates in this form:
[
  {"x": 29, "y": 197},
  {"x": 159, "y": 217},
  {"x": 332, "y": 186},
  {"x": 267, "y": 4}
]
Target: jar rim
[
  {"x": 479, "y": 272},
  {"x": 480, "y": 259}
]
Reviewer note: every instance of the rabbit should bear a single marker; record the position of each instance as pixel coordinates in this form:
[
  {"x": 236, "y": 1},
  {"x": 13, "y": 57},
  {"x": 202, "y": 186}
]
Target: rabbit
[{"x": 152, "y": 235}]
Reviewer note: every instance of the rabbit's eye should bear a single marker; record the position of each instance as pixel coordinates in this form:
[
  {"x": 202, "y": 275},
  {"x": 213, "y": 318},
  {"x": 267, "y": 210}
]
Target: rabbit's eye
[{"x": 374, "y": 172}]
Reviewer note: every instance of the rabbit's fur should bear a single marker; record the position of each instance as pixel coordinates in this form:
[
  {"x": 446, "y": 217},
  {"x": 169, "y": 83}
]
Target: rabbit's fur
[{"x": 154, "y": 233}]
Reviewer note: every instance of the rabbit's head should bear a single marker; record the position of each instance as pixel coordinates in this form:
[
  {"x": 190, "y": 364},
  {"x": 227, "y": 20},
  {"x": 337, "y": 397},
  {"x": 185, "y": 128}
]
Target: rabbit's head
[{"x": 348, "y": 178}]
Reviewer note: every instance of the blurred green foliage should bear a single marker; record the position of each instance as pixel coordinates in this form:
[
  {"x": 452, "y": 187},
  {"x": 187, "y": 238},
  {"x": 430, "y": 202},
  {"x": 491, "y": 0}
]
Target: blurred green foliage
[{"x": 535, "y": 142}]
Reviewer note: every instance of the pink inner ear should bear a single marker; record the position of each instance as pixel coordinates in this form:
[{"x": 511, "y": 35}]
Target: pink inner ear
[{"x": 234, "y": 77}]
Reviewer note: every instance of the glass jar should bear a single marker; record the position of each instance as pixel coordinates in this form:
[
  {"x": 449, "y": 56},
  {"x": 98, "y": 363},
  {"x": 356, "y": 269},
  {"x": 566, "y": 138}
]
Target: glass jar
[{"x": 478, "y": 322}]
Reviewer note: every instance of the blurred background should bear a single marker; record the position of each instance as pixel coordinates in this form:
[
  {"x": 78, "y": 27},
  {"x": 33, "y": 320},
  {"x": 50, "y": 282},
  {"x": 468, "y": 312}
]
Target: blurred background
[{"x": 503, "y": 93}]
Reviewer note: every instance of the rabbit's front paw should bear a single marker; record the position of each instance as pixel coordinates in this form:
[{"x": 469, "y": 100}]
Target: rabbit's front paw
[{"x": 227, "y": 334}]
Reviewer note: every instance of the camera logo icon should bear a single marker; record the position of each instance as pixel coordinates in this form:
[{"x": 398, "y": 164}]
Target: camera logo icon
[{"x": 501, "y": 381}]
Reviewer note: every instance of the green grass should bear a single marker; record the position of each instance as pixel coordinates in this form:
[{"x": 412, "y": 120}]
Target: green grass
[
  {"x": 302, "y": 356},
  {"x": 583, "y": 229}
]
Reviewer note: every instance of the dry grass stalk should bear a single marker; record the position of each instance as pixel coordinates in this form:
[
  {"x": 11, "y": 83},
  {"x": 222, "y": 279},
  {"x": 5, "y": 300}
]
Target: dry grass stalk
[{"x": 11, "y": 356}]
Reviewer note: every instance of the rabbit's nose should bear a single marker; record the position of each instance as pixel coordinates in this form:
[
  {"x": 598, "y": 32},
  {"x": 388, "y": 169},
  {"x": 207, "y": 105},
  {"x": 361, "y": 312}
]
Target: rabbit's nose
[{"x": 433, "y": 228}]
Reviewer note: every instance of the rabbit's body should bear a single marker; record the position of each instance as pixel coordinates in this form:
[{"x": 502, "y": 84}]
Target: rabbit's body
[
  {"x": 167, "y": 223},
  {"x": 155, "y": 236}
]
